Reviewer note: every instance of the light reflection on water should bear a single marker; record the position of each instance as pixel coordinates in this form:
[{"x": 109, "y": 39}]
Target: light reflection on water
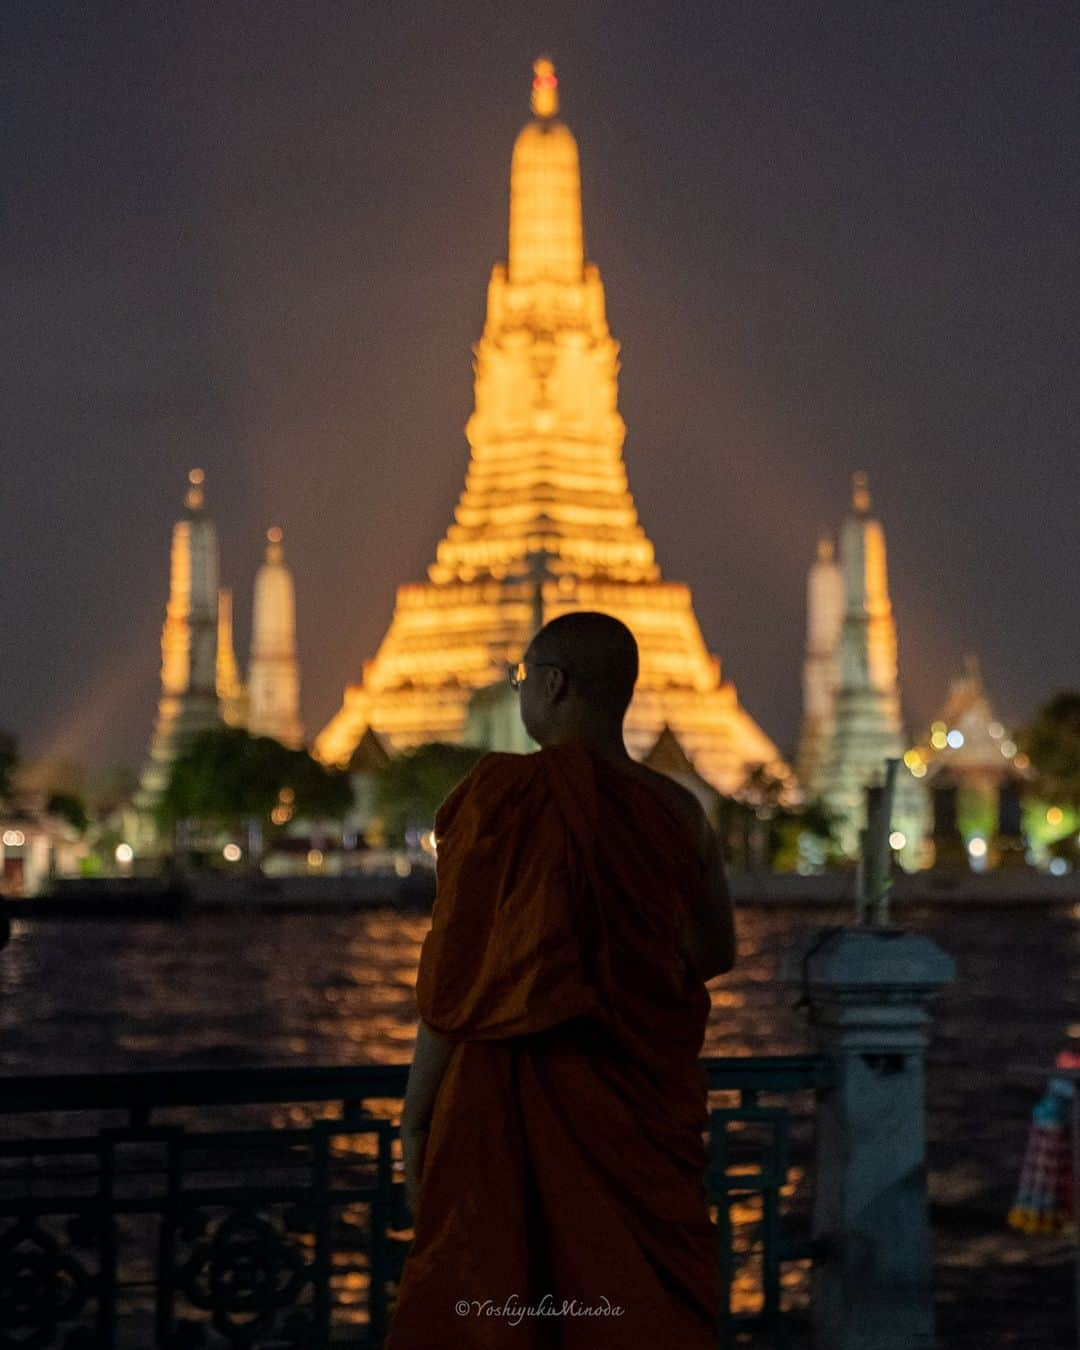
[{"x": 263, "y": 989}]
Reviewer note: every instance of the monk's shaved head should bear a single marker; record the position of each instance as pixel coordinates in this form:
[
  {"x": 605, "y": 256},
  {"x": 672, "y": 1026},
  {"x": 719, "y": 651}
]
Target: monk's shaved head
[{"x": 598, "y": 654}]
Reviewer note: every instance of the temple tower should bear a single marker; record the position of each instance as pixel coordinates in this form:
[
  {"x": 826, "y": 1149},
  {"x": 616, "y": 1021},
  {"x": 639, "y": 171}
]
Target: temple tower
[
  {"x": 232, "y": 696},
  {"x": 546, "y": 523},
  {"x": 866, "y": 715},
  {"x": 189, "y": 702},
  {"x": 274, "y": 673},
  {"x": 824, "y": 619}
]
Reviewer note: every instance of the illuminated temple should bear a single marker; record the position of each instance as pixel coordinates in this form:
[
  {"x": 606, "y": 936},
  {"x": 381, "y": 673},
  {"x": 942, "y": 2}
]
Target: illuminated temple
[{"x": 546, "y": 523}]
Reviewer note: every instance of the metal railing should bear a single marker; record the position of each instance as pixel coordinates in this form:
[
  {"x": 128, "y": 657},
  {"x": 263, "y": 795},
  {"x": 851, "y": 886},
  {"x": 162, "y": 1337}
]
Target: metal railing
[
  {"x": 751, "y": 1146},
  {"x": 264, "y": 1208}
]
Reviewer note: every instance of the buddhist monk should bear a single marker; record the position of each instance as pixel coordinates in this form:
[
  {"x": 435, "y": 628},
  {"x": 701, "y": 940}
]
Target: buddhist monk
[{"x": 553, "y": 1121}]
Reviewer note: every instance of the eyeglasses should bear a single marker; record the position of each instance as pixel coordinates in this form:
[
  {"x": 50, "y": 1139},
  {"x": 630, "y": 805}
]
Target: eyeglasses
[{"x": 517, "y": 672}]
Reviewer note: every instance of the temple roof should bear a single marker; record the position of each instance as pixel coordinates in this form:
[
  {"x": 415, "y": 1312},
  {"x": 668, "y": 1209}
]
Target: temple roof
[
  {"x": 668, "y": 756},
  {"x": 370, "y": 754},
  {"x": 966, "y": 738}
]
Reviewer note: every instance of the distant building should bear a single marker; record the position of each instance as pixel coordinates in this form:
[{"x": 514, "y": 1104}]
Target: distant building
[
  {"x": 967, "y": 751},
  {"x": 851, "y": 712},
  {"x": 274, "y": 673},
  {"x": 545, "y": 509},
  {"x": 493, "y": 720},
  {"x": 200, "y": 681},
  {"x": 668, "y": 757},
  {"x": 367, "y": 761},
  {"x": 35, "y": 847},
  {"x": 824, "y": 619},
  {"x": 189, "y": 700}
]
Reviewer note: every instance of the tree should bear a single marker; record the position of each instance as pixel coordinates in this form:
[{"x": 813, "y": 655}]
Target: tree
[
  {"x": 763, "y": 790},
  {"x": 816, "y": 819},
  {"x": 68, "y": 807},
  {"x": 769, "y": 829},
  {"x": 412, "y": 786},
  {"x": 760, "y": 799},
  {"x": 9, "y": 758},
  {"x": 1052, "y": 743},
  {"x": 226, "y": 778},
  {"x": 807, "y": 833}
]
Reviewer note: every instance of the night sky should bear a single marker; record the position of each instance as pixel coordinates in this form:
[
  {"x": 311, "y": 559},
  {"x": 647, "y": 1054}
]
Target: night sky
[{"x": 256, "y": 237}]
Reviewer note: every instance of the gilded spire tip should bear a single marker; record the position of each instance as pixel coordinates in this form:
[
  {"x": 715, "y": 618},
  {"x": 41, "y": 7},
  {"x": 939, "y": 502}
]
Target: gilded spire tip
[
  {"x": 860, "y": 492},
  {"x": 545, "y": 88},
  {"x": 193, "y": 497},
  {"x": 274, "y": 551}
]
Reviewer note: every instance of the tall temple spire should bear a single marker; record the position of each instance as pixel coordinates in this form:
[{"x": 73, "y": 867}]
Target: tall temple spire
[
  {"x": 824, "y": 618},
  {"x": 546, "y": 241},
  {"x": 188, "y": 702},
  {"x": 546, "y": 523},
  {"x": 274, "y": 674},
  {"x": 866, "y": 723}
]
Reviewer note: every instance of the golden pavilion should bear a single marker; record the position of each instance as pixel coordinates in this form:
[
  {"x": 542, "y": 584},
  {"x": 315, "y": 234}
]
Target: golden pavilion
[{"x": 546, "y": 523}]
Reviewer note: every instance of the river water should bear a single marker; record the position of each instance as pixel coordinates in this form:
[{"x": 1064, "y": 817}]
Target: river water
[{"x": 257, "y": 989}]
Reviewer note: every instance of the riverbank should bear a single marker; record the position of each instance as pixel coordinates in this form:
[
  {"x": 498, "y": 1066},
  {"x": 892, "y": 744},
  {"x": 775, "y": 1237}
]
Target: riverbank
[{"x": 149, "y": 897}]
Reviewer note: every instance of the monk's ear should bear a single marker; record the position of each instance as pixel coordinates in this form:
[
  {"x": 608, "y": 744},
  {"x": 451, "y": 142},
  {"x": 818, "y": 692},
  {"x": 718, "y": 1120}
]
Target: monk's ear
[{"x": 556, "y": 684}]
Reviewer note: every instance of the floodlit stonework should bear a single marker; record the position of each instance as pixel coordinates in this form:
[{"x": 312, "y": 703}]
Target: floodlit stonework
[
  {"x": 546, "y": 523},
  {"x": 824, "y": 619},
  {"x": 852, "y": 721},
  {"x": 232, "y": 695},
  {"x": 189, "y": 700},
  {"x": 200, "y": 680},
  {"x": 274, "y": 674}
]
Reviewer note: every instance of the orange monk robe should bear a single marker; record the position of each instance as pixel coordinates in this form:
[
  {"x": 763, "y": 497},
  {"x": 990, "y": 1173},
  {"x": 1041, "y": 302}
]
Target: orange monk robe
[{"x": 565, "y": 1154}]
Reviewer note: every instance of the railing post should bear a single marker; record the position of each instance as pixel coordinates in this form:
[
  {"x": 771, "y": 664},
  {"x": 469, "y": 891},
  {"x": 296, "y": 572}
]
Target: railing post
[{"x": 868, "y": 991}]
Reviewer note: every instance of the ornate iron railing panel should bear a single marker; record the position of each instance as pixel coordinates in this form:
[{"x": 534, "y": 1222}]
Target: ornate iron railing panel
[
  {"x": 761, "y": 1156},
  {"x": 180, "y": 1222},
  {"x": 263, "y": 1209}
]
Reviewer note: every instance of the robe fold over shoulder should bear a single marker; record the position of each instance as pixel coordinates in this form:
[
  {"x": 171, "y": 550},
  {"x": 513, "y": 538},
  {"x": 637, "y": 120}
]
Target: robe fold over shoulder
[{"x": 565, "y": 1155}]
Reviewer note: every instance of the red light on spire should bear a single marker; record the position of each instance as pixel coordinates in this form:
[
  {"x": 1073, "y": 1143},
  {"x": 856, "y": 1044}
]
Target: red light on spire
[{"x": 545, "y": 100}]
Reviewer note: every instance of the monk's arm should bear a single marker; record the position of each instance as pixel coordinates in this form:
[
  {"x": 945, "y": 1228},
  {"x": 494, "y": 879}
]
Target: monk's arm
[
  {"x": 709, "y": 931},
  {"x": 430, "y": 1058}
]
